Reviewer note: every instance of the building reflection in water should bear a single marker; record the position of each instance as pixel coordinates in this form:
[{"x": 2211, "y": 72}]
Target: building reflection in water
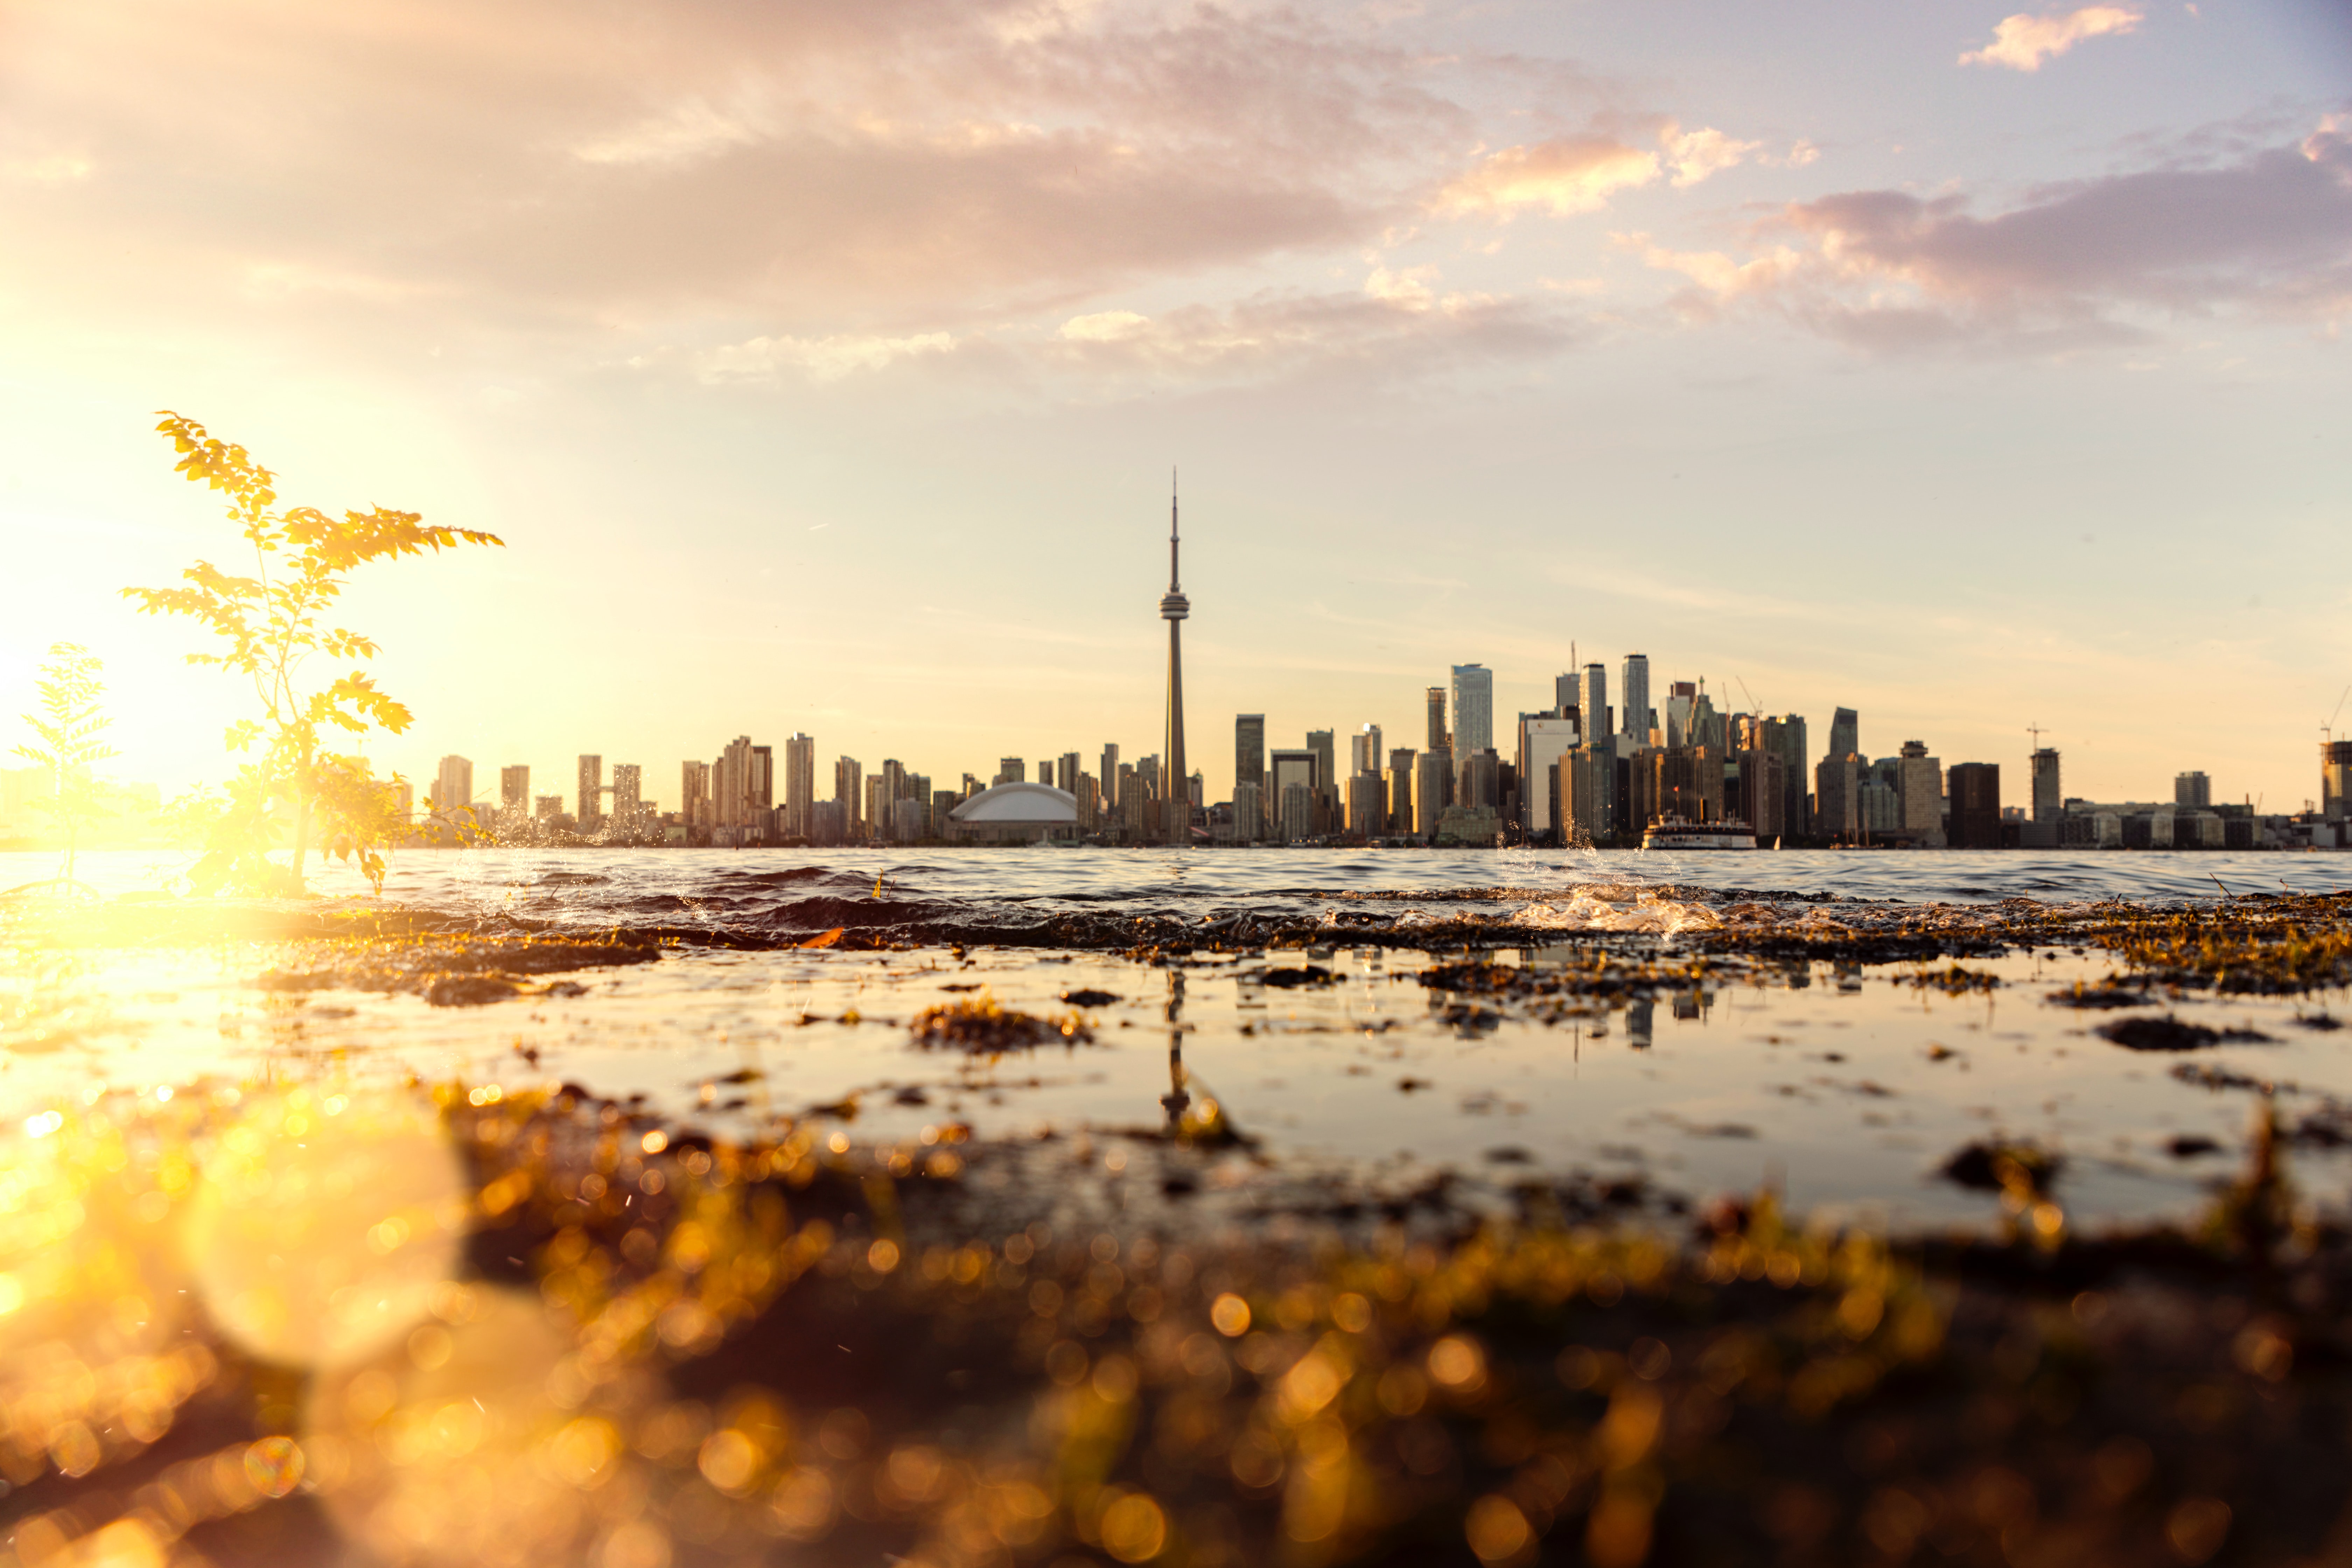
[
  {"x": 1177, "y": 1100},
  {"x": 1639, "y": 1013}
]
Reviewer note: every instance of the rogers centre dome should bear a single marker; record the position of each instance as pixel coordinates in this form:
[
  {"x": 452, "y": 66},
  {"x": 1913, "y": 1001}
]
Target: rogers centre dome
[{"x": 1022, "y": 810}]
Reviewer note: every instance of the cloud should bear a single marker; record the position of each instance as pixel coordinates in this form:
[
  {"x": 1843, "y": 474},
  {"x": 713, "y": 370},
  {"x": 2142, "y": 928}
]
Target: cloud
[
  {"x": 2023, "y": 42},
  {"x": 689, "y": 129},
  {"x": 1104, "y": 327},
  {"x": 822, "y": 359},
  {"x": 1579, "y": 174},
  {"x": 2087, "y": 262}
]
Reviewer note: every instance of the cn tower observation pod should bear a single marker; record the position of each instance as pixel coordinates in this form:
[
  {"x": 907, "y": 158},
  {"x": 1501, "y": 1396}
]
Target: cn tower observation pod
[{"x": 1017, "y": 812}]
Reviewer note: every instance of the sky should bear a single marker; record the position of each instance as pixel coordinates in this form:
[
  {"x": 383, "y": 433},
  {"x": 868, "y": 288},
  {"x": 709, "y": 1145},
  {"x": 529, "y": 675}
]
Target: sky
[{"x": 823, "y": 366}]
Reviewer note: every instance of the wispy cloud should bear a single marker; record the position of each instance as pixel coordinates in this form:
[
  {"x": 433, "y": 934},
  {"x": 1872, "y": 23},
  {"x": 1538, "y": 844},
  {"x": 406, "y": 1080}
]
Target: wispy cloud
[
  {"x": 2023, "y": 42},
  {"x": 818, "y": 359},
  {"x": 1572, "y": 174}
]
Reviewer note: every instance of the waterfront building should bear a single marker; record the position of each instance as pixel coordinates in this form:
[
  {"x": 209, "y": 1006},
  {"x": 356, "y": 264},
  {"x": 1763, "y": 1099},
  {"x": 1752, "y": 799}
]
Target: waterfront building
[
  {"x": 1089, "y": 794},
  {"x": 1592, "y": 706},
  {"x": 800, "y": 783},
  {"x": 1785, "y": 737},
  {"x": 694, "y": 796},
  {"x": 1878, "y": 805},
  {"x": 1368, "y": 816},
  {"x": 628, "y": 799},
  {"x": 2193, "y": 790},
  {"x": 1680, "y": 696},
  {"x": 1439, "y": 738},
  {"x": 1763, "y": 790},
  {"x": 1110, "y": 774},
  {"x": 1325, "y": 746},
  {"x": 1473, "y": 709},
  {"x": 453, "y": 784},
  {"x": 825, "y": 823},
  {"x": 1173, "y": 608},
  {"x": 1543, "y": 742},
  {"x": 1837, "y": 796},
  {"x": 588, "y": 794},
  {"x": 546, "y": 807},
  {"x": 514, "y": 789},
  {"x": 1249, "y": 749},
  {"x": 1974, "y": 792},
  {"x": 1479, "y": 787},
  {"x": 1845, "y": 732},
  {"x": 1287, "y": 767},
  {"x": 1065, "y": 777},
  {"x": 1633, "y": 692},
  {"x": 1296, "y": 823},
  {"x": 1433, "y": 780},
  {"x": 1364, "y": 754},
  {"x": 2049, "y": 799},
  {"x": 1249, "y": 813},
  {"x": 2335, "y": 780},
  {"x": 1402, "y": 761},
  {"x": 848, "y": 779},
  {"x": 1919, "y": 784}
]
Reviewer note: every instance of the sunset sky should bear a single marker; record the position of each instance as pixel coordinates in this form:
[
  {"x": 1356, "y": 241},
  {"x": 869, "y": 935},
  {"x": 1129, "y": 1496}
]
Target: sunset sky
[{"x": 823, "y": 365}]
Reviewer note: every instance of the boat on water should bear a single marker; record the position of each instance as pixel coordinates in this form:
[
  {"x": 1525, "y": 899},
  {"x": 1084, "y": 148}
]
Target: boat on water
[{"x": 1677, "y": 833}]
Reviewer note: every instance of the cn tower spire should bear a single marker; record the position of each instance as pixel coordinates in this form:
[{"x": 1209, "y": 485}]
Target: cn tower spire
[{"x": 1173, "y": 608}]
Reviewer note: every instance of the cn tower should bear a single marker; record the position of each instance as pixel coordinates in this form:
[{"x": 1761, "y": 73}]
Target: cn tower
[{"x": 1173, "y": 608}]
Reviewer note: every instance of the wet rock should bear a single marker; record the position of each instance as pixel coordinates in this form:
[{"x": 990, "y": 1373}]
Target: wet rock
[
  {"x": 1089, "y": 998},
  {"x": 2170, "y": 1034},
  {"x": 1990, "y": 1167}
]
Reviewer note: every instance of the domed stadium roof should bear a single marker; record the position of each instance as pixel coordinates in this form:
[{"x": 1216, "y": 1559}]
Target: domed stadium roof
[{"x": 1018, "y": 806}]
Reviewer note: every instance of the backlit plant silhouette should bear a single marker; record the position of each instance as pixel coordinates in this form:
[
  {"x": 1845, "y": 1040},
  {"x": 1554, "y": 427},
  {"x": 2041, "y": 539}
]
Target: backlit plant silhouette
[
  {"x": 271, "y": 625},
  {"x": 70, "y": 690}
]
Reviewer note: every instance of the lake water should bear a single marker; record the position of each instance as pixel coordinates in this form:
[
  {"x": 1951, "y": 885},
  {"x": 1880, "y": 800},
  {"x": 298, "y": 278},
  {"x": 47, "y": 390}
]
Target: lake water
[{"x": 1848, "y": 1087}]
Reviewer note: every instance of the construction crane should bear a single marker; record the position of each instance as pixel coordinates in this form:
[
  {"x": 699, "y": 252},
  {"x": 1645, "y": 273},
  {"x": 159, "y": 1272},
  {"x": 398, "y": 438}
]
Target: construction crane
[
  {"x": 2328, "y": 730},
  {"x": 2037, "y": 732}
]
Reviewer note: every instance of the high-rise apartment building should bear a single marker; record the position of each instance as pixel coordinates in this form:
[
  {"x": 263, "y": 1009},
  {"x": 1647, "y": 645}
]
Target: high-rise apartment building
[
  {"x": 1249, "y": 752},
  {"x": 588, "y": 794},
  {"x": 760, "y": 791},
  {"x": 1707, "y": 726},
  {"x": 849, "y": 792},
  {"x": 628, "y": 798},
  {"x": 1592, "y": 705},
  {"x": 1564, "y": 690},
  {"x": 2193, "y": 790},
  {"x": 694, "y": 795},
  {"x": 1432, "y": 782},
  {"x": 1975, "y": 805},
  {"x": 453, "y": 784},
  {"x": 514, "y": 789},
  {"x": 1364, "y": 752},
  {"x": 2049, "y": 797},
  {"x": 1368, "y": 806},
  {"x": 1065, "y": 776},
  {"x": 1473, "y": 709},
  {"x": 1439, "y": 739},
  {"x": 1012, "y": 770},
  {"x": 1635, "y": 694},
  {"x": 1543, "y": 744},
  {"x": 1837, "y": 798},
  {"x": 1110, "y": 776},
  {"x": 1293, "y": 768},
  {"x": 800, "y": 783},
  {"x": 1785, "y": 736},
  {"x": 1402, "y": 763},
  {"x": 1680, "y": 696},
  {"x": 546, "y": 807},
  {"x": 1920, "y": 787},
  {"x": 2335, "y": 780},
  {"x": 1326, "y": 747}
]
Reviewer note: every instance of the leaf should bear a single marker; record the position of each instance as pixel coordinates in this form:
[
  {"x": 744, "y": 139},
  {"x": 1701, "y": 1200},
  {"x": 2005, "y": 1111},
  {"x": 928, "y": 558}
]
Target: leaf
[{"x": 830, "y": 939}]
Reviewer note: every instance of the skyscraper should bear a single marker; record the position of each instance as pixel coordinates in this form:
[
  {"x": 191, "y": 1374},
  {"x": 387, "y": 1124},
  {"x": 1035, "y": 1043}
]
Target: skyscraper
[
  {"x": 1845, "y": 732},
  {"x": 1109, "y": 775},
  {"x": 1975, "y": 805},
  {"x": 1919, "y": 785},
  {"x": 590, "y": 810},
  {"x": 1173, "y": 608},
  {"x": 1634, "y": 717},
  {"x": 2049, "y": 798},
  {"x": 800, "y": 783},
  {"x": 1066, "y": 776},
  {"x": 1473, "y": 709},
  {"x": 1326, "y": 769},
  {"x": 1592, "y": 705},
  {"x": 1249, "y": 752},
  {"x": 628, "y": 797},
  {"x": 2193, "y": 790},
  {"x": 1563, "y": 693},
  {"x": 1364, "y": 752},
  {"x": 1680, "y": 697},
  {"x": 694, "y": 795},
  {"x": 514, "y": 789},
  {"x": 847, "y": 776},
  {"x": 2335, "y": 780},
  {"x": 1438, "y": 739},
  {"x": 453, "y": 784}
]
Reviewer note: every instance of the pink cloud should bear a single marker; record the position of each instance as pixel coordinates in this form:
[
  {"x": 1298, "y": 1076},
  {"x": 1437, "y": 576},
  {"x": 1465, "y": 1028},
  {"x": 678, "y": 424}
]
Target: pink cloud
[
  {"x": 2270, "y": 234},
  {"x": 2023, "y": 42}
]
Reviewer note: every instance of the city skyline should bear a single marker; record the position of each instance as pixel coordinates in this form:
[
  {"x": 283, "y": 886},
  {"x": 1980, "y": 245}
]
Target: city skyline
[{"x": 820, "y": 383}]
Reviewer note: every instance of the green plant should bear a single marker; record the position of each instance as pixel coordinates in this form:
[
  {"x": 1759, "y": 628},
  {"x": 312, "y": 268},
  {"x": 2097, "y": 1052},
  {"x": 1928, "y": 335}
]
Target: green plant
[
  {"x": 70, "y": 690},
  {"x": 272, "y": 622}
]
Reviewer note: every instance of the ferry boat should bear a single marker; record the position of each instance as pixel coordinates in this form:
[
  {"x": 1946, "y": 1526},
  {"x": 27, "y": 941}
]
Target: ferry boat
[{"x": 1676, "y": 833}]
